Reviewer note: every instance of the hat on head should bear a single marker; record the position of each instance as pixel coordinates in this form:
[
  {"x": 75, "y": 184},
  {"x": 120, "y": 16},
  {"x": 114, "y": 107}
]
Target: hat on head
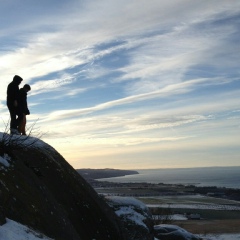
[
  {"x": 17, "y": 78},
  {"x": 27, "y": 86}
]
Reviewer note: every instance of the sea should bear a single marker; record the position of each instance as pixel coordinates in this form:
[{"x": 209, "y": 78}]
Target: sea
[{"x": 228, "y": 177}]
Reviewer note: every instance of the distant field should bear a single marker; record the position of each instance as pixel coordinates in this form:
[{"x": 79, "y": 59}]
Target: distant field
[
  {"x": 210, "y": 226},
  {"x": 217, "y": 215},
  {"x": 188, "y": 199}
]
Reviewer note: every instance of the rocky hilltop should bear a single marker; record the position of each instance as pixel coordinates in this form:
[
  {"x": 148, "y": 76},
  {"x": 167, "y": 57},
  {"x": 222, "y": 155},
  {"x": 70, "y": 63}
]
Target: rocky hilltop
[
  {"x": 38, "y": 188},
  {"x": 41, "y": 194}
]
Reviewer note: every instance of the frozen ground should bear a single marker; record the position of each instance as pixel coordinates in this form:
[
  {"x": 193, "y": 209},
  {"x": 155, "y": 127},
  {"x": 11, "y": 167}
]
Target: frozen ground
[
  {"x": 15, "y": 231},
  {"x": 178, "y": 231},
  {"x": 197, "y": 206},
  {"x": 223, "y": 237},
  {"x": 176, "y": 217},
  {"x": 192, "y": 202}
]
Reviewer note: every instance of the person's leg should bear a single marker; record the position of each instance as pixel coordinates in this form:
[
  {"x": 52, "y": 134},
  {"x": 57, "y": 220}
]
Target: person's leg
[
  {"x": 13, "y": 117},
  {"x": 22, "y": 125},
  {"x": 20, "y": 122}
]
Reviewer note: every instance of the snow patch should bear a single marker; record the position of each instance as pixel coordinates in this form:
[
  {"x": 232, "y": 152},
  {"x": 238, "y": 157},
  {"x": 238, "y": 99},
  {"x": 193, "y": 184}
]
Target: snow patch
[
  {"x": 129, "y": 209},
  {"x": 130, "y": 214},
  {"x": 16, "y": 231},
  {"x": 173, "y": 230},
  {"x": 176, "y": 217},
  {"x": 21, "y": 140},
  {"x": 198, "y": 206},
  {"x": 5, "y": 160},
  {"x": 27, "y": 141},
  {"x": 127, "y": 201}
]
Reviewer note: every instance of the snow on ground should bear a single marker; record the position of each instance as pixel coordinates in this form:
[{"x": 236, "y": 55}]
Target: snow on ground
[
  {"x": 176, "y": 230},
  {"x": 191, "y": 199},
  {"x": 132, "y": 215},
  {"x": 16, "y": 231},
  {"x": 197, "y": 206},
  {"x": 176, "y": 217},
  {"x": 129, "y": 209},
  {"x": 27, "y": 142},
  {"x": 21, "y": 140},
  {"x": 127, "y": 201},
  {"x": 173, "y": 231}
]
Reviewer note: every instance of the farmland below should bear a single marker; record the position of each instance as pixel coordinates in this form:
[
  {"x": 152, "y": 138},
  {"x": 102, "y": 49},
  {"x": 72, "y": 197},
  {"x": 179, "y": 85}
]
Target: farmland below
[{"x": 200, "y": 210}]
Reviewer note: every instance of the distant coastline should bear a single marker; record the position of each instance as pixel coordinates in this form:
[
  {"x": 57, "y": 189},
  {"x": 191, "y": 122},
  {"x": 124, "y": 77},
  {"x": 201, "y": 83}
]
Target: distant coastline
[
  {"x": 147, "y": 182},
  {"x": 228, "y": 177},
  {"x": 88, "y": 173}
]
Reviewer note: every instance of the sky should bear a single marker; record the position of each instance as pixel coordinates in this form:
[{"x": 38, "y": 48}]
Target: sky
[{"x": 127, "y": 84}]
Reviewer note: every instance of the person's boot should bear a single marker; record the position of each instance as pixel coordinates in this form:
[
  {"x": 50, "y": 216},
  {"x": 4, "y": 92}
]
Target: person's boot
[{"x": 19, "y": 130}]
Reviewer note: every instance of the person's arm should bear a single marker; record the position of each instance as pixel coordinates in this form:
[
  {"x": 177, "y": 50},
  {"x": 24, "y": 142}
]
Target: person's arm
[
  {"x": 27, "y": 112},
  {"x": 15, "y": 95},
  {"x": 12, "y": 93}
]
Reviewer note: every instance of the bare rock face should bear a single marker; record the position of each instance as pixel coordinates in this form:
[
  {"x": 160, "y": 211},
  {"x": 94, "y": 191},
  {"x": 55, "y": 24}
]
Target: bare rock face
[
  {"x": 2, "y": 217},
  {"x": 38, "y": 188}
]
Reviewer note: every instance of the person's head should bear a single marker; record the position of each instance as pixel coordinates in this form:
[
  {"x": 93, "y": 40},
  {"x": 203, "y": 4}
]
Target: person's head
[
  {"x": 27, "y": 87},
  {"x": 17, "y": 79}
]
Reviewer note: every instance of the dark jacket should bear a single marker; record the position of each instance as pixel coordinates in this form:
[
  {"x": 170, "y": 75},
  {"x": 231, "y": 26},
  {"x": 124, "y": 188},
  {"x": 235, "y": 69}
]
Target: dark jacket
[
  {"x": 22, "y": 102},
  {"x": 12, "y": 92}
]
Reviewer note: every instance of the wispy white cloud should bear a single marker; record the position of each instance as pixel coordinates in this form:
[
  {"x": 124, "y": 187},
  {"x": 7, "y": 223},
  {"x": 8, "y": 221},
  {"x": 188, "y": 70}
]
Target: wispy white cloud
[
  {"x": 141, "y": 120},
  {"x": 174, "y": 61},
  {"x": 170, "y": 90},
  {"x": 52, "y": 85},
  {"x": 166, "y": 59},
  {"x": 48, "y": 52}
]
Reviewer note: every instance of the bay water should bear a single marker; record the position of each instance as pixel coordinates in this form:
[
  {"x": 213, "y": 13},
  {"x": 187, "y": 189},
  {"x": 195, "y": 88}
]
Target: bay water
[{"x": 228, "y": 177}]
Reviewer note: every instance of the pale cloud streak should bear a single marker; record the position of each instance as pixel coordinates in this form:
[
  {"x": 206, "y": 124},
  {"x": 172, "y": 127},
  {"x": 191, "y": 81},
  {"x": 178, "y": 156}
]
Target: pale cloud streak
[
  {"x": 52, "y": 85},
  {"x": 170, "y": 90}
]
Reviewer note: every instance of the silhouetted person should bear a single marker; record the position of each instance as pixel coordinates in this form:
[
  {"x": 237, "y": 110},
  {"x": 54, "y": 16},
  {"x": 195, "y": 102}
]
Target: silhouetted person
[
  {"x": 12, "y": 102},
  {"x": 23, "y": 108}
]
